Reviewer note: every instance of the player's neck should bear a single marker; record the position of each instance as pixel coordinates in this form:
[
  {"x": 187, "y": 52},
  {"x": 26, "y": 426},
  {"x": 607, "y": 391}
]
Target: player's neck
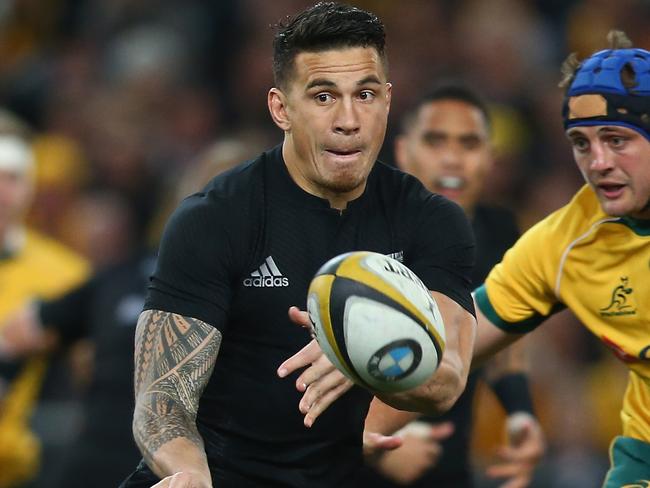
[{"x": 337, "y": 200}]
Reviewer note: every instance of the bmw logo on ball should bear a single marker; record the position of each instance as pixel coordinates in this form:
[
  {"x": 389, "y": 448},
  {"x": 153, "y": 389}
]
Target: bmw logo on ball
[{"x": 396, "y": 360}]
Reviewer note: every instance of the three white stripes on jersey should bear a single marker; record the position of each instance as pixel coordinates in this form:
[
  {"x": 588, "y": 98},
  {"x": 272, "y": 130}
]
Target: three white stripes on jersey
[{"x": 267, "y": 276}]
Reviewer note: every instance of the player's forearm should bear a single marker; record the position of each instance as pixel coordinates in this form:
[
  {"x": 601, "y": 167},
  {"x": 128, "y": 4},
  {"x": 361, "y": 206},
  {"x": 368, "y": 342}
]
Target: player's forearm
[
  {"x": 386, "y": 420},
  {"x": 437, "y": 395},
  {"x": 174, "y": 359},
  {"x": 489, "y": 341},
  {"x": 167, "y": 437}
]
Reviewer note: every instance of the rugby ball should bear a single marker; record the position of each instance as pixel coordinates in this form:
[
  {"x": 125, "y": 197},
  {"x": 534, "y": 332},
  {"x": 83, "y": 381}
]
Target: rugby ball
[{"x": 376, "y": 321}]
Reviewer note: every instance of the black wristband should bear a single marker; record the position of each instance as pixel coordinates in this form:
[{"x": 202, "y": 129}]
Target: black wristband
[{"x": 513, "y": 392}]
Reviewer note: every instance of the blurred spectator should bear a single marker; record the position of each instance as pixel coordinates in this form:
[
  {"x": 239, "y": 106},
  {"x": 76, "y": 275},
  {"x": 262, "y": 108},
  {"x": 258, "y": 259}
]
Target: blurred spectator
[
  {"x": 31, "y": 266},
  {"x": 104, "y": 310}
]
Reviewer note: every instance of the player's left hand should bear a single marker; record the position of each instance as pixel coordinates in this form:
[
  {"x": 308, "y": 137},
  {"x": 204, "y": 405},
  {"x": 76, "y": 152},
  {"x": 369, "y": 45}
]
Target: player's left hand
[
  {"x": 526, "y": 446},
  {"x": 321, "y": 382}
]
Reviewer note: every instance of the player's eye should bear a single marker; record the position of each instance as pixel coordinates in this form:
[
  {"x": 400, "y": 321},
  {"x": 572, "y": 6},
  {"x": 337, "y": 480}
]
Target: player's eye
[
  {"x": 324, "y": 98},
  {"x": 471, "y": 143},
  {"x": 580, "y": 144},
  {"x": 367, "y": 95},
  {"x": 616, "y": 142}
]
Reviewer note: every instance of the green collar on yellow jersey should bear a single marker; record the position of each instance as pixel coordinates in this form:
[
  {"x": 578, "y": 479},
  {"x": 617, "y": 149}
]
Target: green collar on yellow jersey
[{"x": 640, "y": 227}]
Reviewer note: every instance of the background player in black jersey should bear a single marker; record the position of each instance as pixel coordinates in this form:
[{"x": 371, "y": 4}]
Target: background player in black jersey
[
  {"x": 445, "y": 142},
  {"x": 210, "y": 407},
  {"x": 104, "y": 310}
]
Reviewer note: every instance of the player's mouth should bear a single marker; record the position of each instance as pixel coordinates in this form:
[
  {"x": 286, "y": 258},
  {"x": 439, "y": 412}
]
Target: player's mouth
[
  {"x": 611, "y": 191},
  {"x": 344, "y": 155},
  {"x": 450, "y": 185}
]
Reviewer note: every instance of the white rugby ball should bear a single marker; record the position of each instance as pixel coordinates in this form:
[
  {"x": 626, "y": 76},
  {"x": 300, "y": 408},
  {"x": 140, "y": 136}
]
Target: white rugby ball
[{"x": 376, "y": 321}]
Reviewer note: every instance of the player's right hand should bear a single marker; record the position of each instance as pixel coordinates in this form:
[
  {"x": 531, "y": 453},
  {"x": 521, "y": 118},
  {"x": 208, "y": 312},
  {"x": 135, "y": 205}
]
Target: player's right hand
[
  {"x": 420, "y": 451},
  {"x": 524, "y": 451},
  {"x": 320, "y": 382},
  {"x": 183, "y": 479}
]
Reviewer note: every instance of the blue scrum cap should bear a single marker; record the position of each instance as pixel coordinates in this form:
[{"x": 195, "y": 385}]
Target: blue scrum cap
[{"x": 597, "y": 95}]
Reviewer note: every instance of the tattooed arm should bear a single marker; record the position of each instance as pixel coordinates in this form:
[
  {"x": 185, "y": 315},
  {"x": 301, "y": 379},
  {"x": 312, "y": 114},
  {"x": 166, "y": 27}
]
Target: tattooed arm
[{"x": 174, "y": 359}]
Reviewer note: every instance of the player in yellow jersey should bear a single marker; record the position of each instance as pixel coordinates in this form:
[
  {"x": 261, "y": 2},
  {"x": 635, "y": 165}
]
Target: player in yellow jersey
[
  {"x": 31, "y": 267},
  {"x": 593, "y": 255}
]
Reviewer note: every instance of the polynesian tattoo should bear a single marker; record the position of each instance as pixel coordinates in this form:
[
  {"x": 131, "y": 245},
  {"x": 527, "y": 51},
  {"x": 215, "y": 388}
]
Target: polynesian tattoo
[{"x": 174, "y": 359}]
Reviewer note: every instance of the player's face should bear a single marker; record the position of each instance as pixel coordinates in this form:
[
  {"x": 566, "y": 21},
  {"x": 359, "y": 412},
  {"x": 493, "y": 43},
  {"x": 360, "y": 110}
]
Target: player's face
[
  {"x": 447, "y": 147},
  {"x": 15, "y": 190},
  {"x": 615, "y": 161},
  {"x": 334, "y": 114}
]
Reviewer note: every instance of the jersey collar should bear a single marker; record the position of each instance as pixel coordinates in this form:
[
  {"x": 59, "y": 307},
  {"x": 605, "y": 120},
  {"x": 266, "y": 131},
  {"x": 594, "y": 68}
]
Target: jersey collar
[{"x": 638, "y": 226}]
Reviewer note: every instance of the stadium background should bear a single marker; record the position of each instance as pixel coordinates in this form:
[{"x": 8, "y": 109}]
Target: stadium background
[{"x": 124, "y": 95}]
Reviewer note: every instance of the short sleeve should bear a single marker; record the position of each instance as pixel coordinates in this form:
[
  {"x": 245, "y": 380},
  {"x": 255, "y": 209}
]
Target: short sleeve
[
  {"x": 443, "y": 252},
  {"x": 518, "y": 294},
  {"x": 193, "y": 274}
]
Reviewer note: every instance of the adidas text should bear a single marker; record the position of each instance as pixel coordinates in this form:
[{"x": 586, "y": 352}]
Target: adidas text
[
  {"x": 267, "y": 276},
  {"x": 269, "y": 281}
]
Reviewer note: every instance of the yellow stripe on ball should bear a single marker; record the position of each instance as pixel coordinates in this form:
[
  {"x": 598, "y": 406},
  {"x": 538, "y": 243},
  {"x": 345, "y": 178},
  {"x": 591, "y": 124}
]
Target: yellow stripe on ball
[
  {"x": 352, "y": 268},
  {"x": 322, "y": 287}
]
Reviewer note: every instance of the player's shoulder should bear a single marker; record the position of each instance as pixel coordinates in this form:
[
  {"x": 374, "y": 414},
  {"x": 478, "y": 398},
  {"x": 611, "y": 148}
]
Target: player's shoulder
[
  {"x": 237, "y": 181},
  {"x": 404, "y": 189},
  {"x": 582, "y": 214},
  {"x": 228, "y": 194},
  {"x": 495, "y": 215}
]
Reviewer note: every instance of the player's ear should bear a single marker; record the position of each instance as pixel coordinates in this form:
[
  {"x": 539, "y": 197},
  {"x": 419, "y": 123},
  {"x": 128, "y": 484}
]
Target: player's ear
[
  {"x": 389, "y": 94},
  {"x": 277, "y": 102}
]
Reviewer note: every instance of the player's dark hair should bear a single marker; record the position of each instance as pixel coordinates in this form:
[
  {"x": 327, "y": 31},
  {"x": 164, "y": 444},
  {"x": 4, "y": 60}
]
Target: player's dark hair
[
  {"x": 326, "y": 25},
  {"x": 447, "y": 90}
]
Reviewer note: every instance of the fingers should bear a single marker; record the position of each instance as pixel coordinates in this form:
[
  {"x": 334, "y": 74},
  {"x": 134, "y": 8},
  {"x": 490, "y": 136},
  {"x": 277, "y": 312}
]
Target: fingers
[
  {"x": 505, "y": 470},
  {"x": 376, "y": 441},
  {"x": 164, "y": 483},
  {"x": 517, "y": 469},
  {"x": 441, "y": 431},
  {"x": 321, "y": 382},
  {"x": 519, "y": 482},
  {"x": 307, "y": 355},
  {"x": 182, "y": 480},
  {"x": 324, "y": 401},
  {"x": 299, "y": 317},
  {"x": 375, "y": 445}
]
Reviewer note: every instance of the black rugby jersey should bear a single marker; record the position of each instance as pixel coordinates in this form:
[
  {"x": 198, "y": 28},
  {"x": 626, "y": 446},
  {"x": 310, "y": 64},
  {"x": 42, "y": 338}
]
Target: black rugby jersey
[
  {"x": 239, "y": 254},
  {"x": 105, "y": 310}
]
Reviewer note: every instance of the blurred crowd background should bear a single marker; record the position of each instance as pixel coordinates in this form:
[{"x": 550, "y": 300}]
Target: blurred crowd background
[{"x": 123, "y": 97}]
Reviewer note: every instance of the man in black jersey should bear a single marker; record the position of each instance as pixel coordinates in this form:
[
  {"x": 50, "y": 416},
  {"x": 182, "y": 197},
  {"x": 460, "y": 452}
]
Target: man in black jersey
[
  {"x": 445, "y": 142},
  {"x": 212, "y": 406},
  {"x": 104, "y": 310}
]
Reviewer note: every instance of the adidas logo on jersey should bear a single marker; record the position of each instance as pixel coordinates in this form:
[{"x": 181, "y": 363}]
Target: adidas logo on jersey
[{"x": 267, "y": 276}]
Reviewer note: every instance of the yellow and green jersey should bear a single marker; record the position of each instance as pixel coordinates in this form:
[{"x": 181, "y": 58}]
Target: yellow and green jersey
[
  {"x": 599, "y": 267},
  {"x": 41, "y": 269}
]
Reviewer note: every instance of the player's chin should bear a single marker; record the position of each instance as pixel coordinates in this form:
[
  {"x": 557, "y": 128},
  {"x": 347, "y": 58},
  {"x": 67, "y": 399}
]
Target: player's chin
[
  {"x": 617, "y": 208},
  {"x": 346, "y": 182}
]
